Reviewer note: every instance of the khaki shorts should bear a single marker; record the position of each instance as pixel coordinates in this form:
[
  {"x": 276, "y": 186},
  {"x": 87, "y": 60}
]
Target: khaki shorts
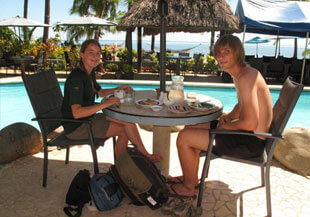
[{"x": 100, "y": 126}]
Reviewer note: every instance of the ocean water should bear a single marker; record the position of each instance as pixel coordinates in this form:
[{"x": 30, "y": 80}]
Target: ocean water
[{"x": 204, "y": 47}]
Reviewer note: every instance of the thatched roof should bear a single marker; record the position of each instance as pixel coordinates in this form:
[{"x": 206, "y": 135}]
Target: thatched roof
[{"x": 183, "y": 16}]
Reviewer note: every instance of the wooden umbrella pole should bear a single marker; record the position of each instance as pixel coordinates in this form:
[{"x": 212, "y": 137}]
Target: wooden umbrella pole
[
  {"x": 304, "y": 62},
  {"x": 163, "y": 10}
]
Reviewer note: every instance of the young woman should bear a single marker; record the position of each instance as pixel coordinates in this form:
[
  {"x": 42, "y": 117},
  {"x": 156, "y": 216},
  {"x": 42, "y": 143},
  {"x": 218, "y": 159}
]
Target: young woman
[{"x": 79, "y": 103}]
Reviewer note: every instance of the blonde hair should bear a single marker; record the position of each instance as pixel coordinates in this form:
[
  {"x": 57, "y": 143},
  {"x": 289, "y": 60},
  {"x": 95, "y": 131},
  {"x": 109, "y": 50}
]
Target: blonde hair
[{"x": 234, "y": 43}]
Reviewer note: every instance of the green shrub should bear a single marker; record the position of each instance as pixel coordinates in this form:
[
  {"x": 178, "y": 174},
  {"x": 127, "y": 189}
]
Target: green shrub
[
  {"x": 112, "y": 67},
  {"x": 106, "y": 53},
  {"x": 127, "y": 68}
]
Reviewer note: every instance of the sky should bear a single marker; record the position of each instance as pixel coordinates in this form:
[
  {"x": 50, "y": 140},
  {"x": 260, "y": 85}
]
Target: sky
[{"x": 60, "y": 12}]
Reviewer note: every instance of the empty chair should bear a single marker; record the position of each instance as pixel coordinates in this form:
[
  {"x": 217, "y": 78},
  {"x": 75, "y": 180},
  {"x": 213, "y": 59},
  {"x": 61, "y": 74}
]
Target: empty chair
[
  {"x": 295, "y": 69},
  {"x": 275, "y": 69},
  {"x": 257, "y": 63},
  {"x": 281, "y": 112},
  {"x": 68, "y": 63},
  {"x": 38, "y": 64},
  {"x": 184, "y": 54},
  {"x": 198, "y": 63},
  {"x": 46, "y": 100}
]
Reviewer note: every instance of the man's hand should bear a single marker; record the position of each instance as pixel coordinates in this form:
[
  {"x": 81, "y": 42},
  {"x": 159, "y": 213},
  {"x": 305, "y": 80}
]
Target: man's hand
[
  {"x": 126, "y": 88},
  {"x": 225, "y": 119}
]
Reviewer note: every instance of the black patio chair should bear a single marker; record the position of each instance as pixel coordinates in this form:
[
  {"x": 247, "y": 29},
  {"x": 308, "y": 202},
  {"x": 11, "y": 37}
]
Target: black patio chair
[
  {"x": 281, "y": 112},
  {"x": 276, "y": 69},
  {"x": 198, "y": 64},
  {"x": 67, "y": 59},
  {"x": 46, "y": 99}
]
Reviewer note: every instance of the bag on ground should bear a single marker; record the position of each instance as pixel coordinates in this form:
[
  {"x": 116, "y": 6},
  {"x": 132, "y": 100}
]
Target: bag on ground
[
  {"x": 78, "y": 194},
  {"x": 140, "y": 179},
  {"x": 105, "y": 191}
]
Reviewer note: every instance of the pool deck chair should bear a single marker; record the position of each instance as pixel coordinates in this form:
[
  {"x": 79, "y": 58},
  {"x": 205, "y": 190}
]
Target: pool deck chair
[
  {"x": 281, "y": 112},
  {"x": 46, "y": 100}
]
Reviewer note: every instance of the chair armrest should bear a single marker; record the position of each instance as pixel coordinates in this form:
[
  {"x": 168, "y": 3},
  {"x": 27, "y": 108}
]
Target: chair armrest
[
  {"x": 247, "y": 133},
  {"x": 61, "y": 119}
]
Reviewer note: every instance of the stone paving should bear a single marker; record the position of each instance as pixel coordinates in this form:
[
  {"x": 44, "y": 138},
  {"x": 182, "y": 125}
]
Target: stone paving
[{"x": 226, "y": 192}]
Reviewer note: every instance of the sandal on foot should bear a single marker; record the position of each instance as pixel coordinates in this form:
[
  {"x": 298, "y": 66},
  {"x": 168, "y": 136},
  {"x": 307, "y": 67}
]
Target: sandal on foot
[{"x": 178, "y": 180}]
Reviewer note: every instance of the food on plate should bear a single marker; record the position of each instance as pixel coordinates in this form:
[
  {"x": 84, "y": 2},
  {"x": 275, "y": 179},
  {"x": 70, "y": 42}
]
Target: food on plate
[
  {"x": 201, "y": 105},
  {"x": 149, "y": 102}
]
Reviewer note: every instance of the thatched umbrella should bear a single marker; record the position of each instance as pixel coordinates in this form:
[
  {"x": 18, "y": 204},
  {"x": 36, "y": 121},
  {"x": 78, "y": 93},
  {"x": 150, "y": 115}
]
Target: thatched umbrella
[{"x": 183, "y": 16}]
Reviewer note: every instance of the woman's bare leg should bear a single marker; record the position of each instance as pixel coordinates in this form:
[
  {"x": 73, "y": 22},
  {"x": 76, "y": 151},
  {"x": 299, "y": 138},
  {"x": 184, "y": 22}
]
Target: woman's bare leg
[
  {"x": 118, "y": 130},
  {"x": 133, "y": 135}
]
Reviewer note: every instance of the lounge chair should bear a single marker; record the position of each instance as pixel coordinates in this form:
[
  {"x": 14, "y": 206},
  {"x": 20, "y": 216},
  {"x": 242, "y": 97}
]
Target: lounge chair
[
  {"x": 46, "y": 100},
  {"x": 281, "y": 112}
]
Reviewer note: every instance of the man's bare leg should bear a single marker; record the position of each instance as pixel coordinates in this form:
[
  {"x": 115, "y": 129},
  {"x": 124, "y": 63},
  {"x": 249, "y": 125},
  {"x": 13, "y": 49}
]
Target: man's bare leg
[{"x": 190, "y": 141}]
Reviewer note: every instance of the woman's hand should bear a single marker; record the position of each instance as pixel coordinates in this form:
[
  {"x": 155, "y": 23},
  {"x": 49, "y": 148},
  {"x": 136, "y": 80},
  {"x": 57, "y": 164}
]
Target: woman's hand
[
  {"x": 113, "y": 101},
  {"x": 101, "y": 93},
  {"x": 126, "y": 88}
]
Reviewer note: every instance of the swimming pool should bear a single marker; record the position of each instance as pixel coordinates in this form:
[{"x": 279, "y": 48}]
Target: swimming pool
[{"x": 15, "y": 105}]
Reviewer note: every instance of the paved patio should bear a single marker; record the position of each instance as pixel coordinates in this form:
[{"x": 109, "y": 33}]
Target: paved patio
[{"x": 21, "y": 193}]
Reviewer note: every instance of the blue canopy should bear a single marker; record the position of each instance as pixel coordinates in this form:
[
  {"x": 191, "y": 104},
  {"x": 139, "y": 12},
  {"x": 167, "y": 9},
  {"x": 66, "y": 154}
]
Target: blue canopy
[{"x": 291, "y": 18}]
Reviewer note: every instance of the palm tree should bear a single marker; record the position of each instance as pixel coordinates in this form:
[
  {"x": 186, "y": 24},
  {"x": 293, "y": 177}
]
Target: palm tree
[
  {"x": 25, "y": 29},
  {"x": 99, "y": 8},
  {"x": 46, "y": 20}
]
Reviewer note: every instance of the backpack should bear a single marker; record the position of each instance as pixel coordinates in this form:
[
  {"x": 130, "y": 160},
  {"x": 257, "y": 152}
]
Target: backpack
[
  {"x": 78, "y": 193},
  {"x": 105, "y": 192},
  {"x": 140, "y": 179}
]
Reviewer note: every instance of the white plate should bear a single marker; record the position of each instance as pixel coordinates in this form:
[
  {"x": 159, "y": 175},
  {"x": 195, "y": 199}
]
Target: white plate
[
  {"x": 201, "y": 106},
  {"x": 180, "y": 109},
  {"x": 148, "y": 103}
]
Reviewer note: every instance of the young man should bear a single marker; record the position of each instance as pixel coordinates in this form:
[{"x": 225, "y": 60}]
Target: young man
[{"x": 253, "y": 112}]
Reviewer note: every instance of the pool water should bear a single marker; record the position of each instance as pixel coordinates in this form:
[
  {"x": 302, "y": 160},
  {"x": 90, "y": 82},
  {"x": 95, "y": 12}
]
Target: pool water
[{"x": 15, "y": 105}]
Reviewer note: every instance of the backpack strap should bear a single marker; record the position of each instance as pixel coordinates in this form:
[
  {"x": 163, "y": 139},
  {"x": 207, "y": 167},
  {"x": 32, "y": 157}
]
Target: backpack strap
[{"x": 68, "y": 210}]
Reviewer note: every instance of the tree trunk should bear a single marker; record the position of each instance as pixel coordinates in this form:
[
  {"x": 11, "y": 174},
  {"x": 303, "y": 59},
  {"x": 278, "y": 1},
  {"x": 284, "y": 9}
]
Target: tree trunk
[
  {"x": 212, "y": 43},
  {"x": 46, "y": 29},
  {"x": 25, "y": 29},
  {"x": 153, "y": 44}
]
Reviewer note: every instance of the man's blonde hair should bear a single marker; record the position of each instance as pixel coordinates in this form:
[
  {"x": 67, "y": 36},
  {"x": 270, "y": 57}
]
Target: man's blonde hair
[{"x": 234, "y": 43}]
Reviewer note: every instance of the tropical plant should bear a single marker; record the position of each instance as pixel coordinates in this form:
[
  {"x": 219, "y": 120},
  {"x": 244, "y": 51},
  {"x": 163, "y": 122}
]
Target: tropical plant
[
  {"x": 127, "y": 68},
  {"x": 211, "y": 64},
  {"x": 99, "y": 8},
  {"x": 112, "y": 67},
  {"x": 7, "y": 39},
  {"x": 106, "y": 53}
]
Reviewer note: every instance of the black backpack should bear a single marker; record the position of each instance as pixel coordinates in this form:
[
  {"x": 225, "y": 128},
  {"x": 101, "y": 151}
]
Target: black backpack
[
  {"x": 140, "y": 179},
  {"x": 78, "y": 194}
]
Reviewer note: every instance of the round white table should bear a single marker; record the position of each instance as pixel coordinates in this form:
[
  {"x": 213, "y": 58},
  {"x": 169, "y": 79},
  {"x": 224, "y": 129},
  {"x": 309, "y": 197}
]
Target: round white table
[{"x": 162, "y": 120}]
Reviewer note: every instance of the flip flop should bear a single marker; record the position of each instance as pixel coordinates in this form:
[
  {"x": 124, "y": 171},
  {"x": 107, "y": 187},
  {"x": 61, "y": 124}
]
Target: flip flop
[{"x": 178, "y": 180}]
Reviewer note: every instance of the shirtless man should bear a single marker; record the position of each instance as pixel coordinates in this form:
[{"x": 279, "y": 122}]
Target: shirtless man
[{"x": 253, "y": 112}]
